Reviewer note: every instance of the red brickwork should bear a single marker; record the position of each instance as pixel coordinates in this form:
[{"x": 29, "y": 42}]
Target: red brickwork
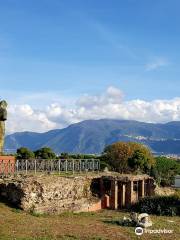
[{"x": 7, "y": 164}]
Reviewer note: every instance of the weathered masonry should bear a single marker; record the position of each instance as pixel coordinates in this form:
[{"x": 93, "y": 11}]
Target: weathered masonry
[
  {"x": 80, "y": 192},
  {"x": 7, "y": 165},
  {"x": 123, "y": 190}
]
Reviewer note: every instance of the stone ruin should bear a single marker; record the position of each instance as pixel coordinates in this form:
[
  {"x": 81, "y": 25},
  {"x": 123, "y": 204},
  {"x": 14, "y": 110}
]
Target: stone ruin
[
  {"x": 3, "y": 118},
  {"x": 137, "y": 220},
  {"x": 54, "y": 194},
  {"x": 90, "y": 192}
]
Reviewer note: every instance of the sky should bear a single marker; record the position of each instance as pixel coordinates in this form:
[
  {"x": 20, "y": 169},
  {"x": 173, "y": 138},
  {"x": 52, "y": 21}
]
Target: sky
[{"x": 65, "y": 61}]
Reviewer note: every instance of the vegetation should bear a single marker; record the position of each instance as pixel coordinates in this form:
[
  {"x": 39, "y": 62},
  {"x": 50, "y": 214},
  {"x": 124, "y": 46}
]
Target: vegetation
[
  {"x": 159, "y": 205},
  {"x": 77, "y": 156},
  {"x": 24, "y": 153},
  {"x": 123, "y": 157},
  {"x": 45, "y": 153},
  {"x": 164, "y": 170},
  {"x": 101, "y": 225},
  {"x": 128, "y": 157}
]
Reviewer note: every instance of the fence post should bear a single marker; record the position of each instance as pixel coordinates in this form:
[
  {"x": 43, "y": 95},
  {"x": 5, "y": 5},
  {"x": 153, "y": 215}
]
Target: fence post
[
  {"x": 86, "y": 165},
  {"x": 99, "y": 166},
  {"x": 80, "y": 165},
  {"x": 93, "y": 165},
  {"x": 66, "y": 165},
  {"x": 73, "y": 166},
  {"x": 26, "y": 166},
  {"x": 51, "y": 165},
  {"x": 35, "y": 166},
  {"x": 59, "y": 165}
]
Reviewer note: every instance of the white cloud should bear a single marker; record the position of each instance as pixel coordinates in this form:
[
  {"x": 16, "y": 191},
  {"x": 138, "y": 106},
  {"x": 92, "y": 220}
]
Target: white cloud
[
  {"x": 110, "y": 104},
  {"x": 156, "y": 63},
  {"x": 24, "y": 118}
]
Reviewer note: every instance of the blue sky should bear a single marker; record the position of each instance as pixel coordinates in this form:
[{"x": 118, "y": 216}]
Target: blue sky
[
  {"x": 60, "y": 50},
  {"x": 84, "y": 46}
]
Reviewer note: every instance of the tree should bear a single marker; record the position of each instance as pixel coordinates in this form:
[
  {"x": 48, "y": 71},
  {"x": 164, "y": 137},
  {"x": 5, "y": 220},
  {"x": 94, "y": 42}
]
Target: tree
[
  {"x": 166, "y": 168},
  {"x": 65, "y": 155},
  {"x": 45, "y": 153},
  {"x": 129, "y": 156},
  {"x": 117, "y": 156},
  {"x": 24, "y": 153},
  {"x": 138, "y": 161}
]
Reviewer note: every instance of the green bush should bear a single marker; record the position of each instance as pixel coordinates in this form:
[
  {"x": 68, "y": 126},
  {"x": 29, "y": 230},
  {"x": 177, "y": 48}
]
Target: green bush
[
  {"x": 159, "y": 205},
  {"x": 103, "y": 165},
  {"x": 164, "y": 170}
]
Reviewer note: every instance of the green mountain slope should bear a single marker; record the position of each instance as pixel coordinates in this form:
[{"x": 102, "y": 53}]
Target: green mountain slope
[{"x": 92, "y": 136}]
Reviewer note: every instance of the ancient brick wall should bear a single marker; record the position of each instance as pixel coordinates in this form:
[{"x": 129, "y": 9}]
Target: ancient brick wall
[
  {"x": 91, "y": 192},
  {"x": 7, "y": 164},
  {"x": 51, "y": 193}
]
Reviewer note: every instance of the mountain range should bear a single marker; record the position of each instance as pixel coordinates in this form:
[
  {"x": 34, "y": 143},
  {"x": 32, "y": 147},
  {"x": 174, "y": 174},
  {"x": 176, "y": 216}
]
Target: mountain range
[{"x": 91, "y": 136}]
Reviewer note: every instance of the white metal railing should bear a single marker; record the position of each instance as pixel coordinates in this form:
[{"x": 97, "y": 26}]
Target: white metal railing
[{"x": 49, "y": 165}]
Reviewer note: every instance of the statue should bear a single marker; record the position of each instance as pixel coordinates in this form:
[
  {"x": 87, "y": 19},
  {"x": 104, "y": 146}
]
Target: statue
[{"x": 3, "y": 118}]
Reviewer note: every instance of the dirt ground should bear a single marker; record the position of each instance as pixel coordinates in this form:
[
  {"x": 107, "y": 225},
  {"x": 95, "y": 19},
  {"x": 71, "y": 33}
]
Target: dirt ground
[{"x": 18, "y": 225}]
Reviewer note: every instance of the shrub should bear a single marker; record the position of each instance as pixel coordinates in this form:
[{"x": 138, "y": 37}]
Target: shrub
[
  {"x": 159, "y": 205},
  {"x": 103, "y": 165},
  {"x": 45, "y": 153},
  {"x": 164, "y": 170},
  {"x": 24, "y": 153}
]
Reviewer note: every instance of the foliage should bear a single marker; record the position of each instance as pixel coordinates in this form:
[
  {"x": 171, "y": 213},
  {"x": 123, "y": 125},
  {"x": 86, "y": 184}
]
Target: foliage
[
  {"x": 104, "y": 165},
  {"x": 104, "y": 162},
  {"x": 128, "y": 156},
  {"x": 164, "y": 170},
  {"x": 117, "y": 155},
  {"x": 45, "y": 153},
  {"x": 159, "y": 205},
  {"x": 139, "y": 161},
  {"x": 77, "y": 156},
  {"x": 145, "y": 153},
  {"x": 24, "y": 153},
  {"x": 64, "y": 155}
]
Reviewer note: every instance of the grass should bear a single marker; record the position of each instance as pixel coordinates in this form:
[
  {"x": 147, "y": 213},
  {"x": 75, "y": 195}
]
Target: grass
[{"x": 18, "y": 225}]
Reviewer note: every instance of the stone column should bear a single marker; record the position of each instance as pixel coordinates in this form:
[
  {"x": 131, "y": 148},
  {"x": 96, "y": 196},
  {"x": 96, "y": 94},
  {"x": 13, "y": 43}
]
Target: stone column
[
  {"x": 102, "y": 189},
  {"x": 129, "y": 192},
  {"x": 121, "y": 195},
  {"x": 2, "y": 133},
  {"x": 141, "y": 189},
  {"x": 3, "y": 118},
  {"x": 114, "y": 195}
]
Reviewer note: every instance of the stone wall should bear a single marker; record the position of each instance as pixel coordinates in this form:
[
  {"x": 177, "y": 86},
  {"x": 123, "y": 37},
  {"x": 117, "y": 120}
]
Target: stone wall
[
  {"x": 50, "y": 193},
  {"x": 55, "y": 194},
  {"x": 164, "y": 191}
]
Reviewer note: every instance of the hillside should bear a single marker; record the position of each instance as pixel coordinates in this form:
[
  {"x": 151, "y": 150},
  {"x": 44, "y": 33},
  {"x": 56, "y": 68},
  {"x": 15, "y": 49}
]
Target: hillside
[{"x": 91, "y": 136}]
